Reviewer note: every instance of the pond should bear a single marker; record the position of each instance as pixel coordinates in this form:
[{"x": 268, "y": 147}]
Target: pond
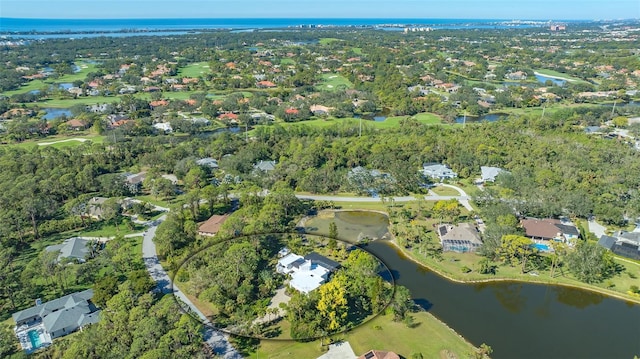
[
  {"x": 352, "y": 225},
  {"x": 53, "y": 113},
  {"x": 518, "y": 320},
  {"x": 543, "y": 79},
  {"x": 491, "y": 117}
]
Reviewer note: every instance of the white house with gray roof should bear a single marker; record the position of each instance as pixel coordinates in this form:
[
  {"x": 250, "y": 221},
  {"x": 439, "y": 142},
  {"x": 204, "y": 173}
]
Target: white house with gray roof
[
  {"x": 37, "y": 326},
  {"x": 265, "y": 166},
  {"x": 74, "y": 248},
  {"x": 438, "y": 171},
  {"x": 208, "y": 162}
]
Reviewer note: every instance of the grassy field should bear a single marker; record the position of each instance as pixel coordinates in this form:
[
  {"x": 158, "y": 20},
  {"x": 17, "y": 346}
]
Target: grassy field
[
  {"x": 60, "y": 141},
  {"x": 109, "y": 230},
  {"x": 328, "y": 40},
  {"x": 357, "y": 50},
  {"x": 69, "y": 102},
  {"x": 85, "y": 68},
  {"x": 333, "y": 82},
  {"x": 425, "y": 118},
  {"x": 445, "y": 191},
  {"x": 558, "y": 74},
  {"x": 157, "y": 202},
  {"x": 194, "y": 70},
  {"x": 429, "y": 337},
  {"x": 287, "y": 61},
  {"x": 389, "y": 122},
  {"x": 378, "y": 206}
]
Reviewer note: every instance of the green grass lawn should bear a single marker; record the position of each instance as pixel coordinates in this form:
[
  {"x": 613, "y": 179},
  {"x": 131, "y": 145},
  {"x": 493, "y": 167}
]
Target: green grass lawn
[
  {"x": 69, "y": 102},
  {"x": 287, "y": 61},
  {"x": 194, "y": 70},
  {"x": 29, "y": 86},
  {"x": 445, "y": 191},
  {"x": 389, "y": 122},
  {"x": 85, "y": 68},
  {"x": 357, "y": 50},
  {"x": 378, "y": 206},
  {"x": 559, "y": 74},
  {"x": 328, "y": 40},
  {"x": 452, "y": 263},
  {"x": 158, "y": 202},
  {"x": 333, "y": 82},
  {"x": 425, "y": 118},
  {"x": 429, "y": 337},
  {"x": 109, "y": 230},
  {"x": 57, "y": 141}
]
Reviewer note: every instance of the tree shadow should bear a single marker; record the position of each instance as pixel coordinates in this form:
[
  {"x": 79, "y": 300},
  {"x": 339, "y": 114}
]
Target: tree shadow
[{"x": 423, "y": 303}]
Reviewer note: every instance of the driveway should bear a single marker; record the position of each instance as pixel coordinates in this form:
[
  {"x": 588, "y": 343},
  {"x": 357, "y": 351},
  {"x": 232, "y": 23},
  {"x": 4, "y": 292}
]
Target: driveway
[
  {"x": 597, "y": 229},
  {"x": 340, "y": 350},
  {"x": 217, "y": 340}
]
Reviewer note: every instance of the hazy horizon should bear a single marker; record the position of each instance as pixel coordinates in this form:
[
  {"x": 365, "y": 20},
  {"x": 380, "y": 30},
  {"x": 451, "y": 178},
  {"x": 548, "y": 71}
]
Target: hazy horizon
[{"x": 326, "y": 9}]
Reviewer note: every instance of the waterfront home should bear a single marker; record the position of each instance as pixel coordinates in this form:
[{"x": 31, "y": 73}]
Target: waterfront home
[
  {"x": 463, "y": 237},
  {"x": 625, "y": 244},
  {"x": 306, "y": 273},
  {"x": 561, "y": 230}
]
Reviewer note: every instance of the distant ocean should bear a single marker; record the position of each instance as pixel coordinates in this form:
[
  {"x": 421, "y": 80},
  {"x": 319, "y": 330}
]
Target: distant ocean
[{"x": 13, "y": 25}]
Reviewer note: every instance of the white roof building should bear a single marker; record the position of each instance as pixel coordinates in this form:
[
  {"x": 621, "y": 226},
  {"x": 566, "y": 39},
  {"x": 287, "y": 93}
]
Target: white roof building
[
  {"x": 309, "y": 276},
  {"x": 307, "y": 273},
  {"x": 489, "y": 174},
  {"x": 438, "y": 171}
]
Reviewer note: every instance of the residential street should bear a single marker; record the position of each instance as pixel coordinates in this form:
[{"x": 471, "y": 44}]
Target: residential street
[
  {"x": 217, "y": 340},
  {"x": 463, "y": 198}
]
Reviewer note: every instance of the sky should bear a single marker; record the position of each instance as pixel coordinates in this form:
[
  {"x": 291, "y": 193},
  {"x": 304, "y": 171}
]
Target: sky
[{"x": 428, "y": 9}]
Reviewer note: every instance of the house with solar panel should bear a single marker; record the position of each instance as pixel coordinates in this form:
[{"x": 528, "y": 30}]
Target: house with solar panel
[
  {"x": 625, "y": 244},
  {"x": 36, "y": 327},
  {"x": 461, "y": 238}
]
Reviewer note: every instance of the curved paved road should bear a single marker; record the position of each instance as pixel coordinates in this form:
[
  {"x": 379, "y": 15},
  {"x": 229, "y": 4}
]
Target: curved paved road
[
  {"x": 216, "y": 340},
  {"x": 463, "y": 198}
]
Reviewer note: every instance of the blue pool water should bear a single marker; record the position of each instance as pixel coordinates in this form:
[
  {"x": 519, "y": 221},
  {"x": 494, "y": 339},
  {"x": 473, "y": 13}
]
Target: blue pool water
[
  {"x": 34, "y": 337},
  {"x": 542, "y": 247}
]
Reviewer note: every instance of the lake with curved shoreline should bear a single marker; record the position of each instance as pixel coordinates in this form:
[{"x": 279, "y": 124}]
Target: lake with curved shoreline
[
  {"x": 518, "y": 320},
  {"x": 522, "y": 320}
]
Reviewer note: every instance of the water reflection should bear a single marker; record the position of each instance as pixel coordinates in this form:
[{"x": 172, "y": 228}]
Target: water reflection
[
  {"x": 577, "y": 298},
  {"x": 510, "y": 296}
]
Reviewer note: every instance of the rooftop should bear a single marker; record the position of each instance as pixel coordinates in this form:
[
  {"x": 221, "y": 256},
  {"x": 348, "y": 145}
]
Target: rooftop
[{"x": 212, "y": 225}]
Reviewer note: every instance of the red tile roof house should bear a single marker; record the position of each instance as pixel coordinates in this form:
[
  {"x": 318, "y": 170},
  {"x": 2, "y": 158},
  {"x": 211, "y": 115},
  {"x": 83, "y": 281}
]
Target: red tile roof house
[
  {"x": 76, "y": 124},
  {"x": 228, "y": 116},
  {"x": 379, "y": 354},
  {"x": 158, "y": 103},
  {"x": 212, "y": 225},
  {"x": 291, "y": 111},
  {"x": 265, "y": 84}
]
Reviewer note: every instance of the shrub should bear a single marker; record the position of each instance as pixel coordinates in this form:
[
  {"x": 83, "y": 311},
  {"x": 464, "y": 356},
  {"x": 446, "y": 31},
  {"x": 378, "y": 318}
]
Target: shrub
[{"x": 465, "y": 269}]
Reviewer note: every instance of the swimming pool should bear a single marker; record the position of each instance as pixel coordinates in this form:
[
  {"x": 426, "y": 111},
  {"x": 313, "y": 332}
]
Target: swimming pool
[
  {"x": 34, "y": 337},
  {"x": 542, "y": 247}
]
